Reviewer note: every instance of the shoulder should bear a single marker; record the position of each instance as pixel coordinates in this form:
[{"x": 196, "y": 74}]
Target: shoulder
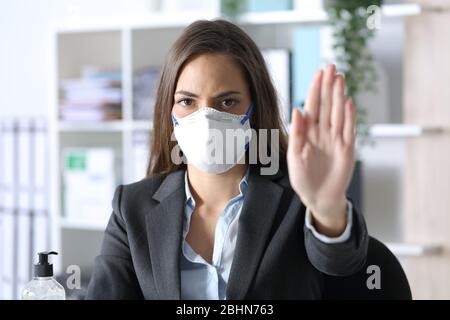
[
  {"x": 143, "y": 190},
  {"x": 144, "y": 187},
  {"x": 135, "y": 199}
]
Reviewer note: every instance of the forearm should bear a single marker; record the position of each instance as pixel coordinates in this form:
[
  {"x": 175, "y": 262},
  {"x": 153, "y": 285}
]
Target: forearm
[
  {"x": 343, "y": 255},
  {"x": 330, "y": 220}
]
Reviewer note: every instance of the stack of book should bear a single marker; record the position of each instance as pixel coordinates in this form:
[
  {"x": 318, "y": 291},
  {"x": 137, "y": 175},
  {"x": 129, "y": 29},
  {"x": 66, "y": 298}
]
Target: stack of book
[
  {"x": 144, "y": 88},
  {"x": 96, "y": 96}
]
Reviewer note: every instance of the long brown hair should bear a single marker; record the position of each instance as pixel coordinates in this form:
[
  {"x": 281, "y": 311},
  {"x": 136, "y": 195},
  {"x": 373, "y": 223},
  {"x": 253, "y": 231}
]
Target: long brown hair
[{"x": 214, "y": 37}]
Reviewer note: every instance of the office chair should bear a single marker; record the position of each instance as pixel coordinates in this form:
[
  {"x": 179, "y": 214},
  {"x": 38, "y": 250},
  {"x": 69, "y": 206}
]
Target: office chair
[{"x": 394, "y": 284}]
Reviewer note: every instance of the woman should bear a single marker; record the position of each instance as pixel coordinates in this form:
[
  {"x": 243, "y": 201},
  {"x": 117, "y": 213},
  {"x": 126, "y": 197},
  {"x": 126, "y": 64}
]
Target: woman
[{"x": 225, "y": 230}]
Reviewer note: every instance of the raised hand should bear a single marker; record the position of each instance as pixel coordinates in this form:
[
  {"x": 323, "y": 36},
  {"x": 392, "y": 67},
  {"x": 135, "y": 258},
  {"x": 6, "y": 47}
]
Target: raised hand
[{"x": 321, "y": 151}]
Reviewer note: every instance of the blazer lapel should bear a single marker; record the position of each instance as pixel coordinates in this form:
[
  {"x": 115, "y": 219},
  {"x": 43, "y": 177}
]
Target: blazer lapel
[
  {"x": 256, "y": 220},
  {"x": 164, "y": 230},
  {"x": 165, "y": 223}
]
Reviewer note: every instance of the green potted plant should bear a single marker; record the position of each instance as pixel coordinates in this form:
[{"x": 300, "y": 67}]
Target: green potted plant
[
  {"x": 350, "y": 20},
  {"x": 232, "y": 8}
]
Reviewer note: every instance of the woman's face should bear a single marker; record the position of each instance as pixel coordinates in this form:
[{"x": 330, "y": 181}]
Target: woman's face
[{"x": 211, "y": 80}]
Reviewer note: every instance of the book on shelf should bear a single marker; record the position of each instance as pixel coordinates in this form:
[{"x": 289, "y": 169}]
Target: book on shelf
[
  {"x": 90, "y": 82},
  {"x": 144, "y": 91},
  {"x": 95, "y": 96},
  {"x": 90, "y": 112},
  {"x": 88, "y": 184}
]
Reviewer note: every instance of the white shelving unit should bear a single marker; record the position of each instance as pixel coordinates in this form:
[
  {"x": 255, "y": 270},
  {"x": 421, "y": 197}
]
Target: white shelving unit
[
  {"x": 83, "y": 225},
  {"x": 127, "y": 44},
  {"x": 179, "y": 20},
  {"x": 402, "y": 130},
  {"x": 414, "y": 250}
]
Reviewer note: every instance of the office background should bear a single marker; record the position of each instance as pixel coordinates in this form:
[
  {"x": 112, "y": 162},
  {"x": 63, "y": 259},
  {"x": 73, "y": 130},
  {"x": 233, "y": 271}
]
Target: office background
[{"x": 76, "y": 83}]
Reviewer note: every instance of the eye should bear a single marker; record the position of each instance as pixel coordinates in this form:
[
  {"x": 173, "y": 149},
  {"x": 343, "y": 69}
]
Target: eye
[
  {"x": 185, "y": 102},
  {"x": 228, "y": 103}
]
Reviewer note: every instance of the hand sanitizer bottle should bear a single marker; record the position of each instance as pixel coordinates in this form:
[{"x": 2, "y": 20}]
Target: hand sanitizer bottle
[{"x": 43, "y": 286}]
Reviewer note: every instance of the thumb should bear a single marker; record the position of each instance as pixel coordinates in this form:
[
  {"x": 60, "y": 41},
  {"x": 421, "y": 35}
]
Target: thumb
[{"x": 297, "y": 130}]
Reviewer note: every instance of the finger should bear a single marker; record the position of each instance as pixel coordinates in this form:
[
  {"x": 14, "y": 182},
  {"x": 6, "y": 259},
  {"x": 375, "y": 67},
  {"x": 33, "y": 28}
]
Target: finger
[
  {"x": 326, "y": 96},
  {"x": 297, "y": 131},
  {"x": 313, "y": 99},
  {"x": 349, "y": 125},
  {"x": 337, "y": 111}
]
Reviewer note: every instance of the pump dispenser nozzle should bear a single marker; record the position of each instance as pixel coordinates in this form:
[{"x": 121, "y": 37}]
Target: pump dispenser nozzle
[
  {"x": 43, "y": 268},
  {"x": 43, "y": 286}
]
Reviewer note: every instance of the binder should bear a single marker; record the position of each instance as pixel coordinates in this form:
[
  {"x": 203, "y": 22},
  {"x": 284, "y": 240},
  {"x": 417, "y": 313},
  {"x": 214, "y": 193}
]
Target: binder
[
  {"x": 306, "y": 60},
  {"x": 23, "y": 201},
  {"x": 7, "y": 205},
  {"x": 89, "y": 184},
  {"x": 23, "y": 219},
  {"x": 2, "y": 244},
  {"x": 2, "y": 210},
  {"x": 40, "y": 204},
  {"x": 6, "y": 239},
  {"x": 278, "y": 64}
]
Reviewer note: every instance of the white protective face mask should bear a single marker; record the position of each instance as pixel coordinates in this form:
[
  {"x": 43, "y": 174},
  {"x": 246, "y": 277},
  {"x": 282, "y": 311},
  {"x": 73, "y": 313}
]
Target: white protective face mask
[{"x": 211, "y": 140}]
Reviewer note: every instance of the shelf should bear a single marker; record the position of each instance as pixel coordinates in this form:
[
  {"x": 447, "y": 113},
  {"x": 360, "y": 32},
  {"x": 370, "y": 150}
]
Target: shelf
[
  {"x": 91, "y": 126},
  {"x": 84, "y": 225},
  {"x": 142, "y": 125},
  {"x": 147, "y": 21},
  {"x": 180, "y": 20},
  {"x": 376, "y": 130},
  {"x": 401, "y": 10},
  {"x": 413, "y": 250},
  {"x": 125, "y": 43},
  {"x": 320, "y": 16},
  {"x": 402, "y": 130},
  {"x": 110, "y": 126},
  {"x": 284, "y": 17}
]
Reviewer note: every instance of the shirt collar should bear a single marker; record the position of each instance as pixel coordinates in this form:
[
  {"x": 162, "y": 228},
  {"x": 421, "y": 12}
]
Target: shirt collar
[{"x": 243, "y": 184}]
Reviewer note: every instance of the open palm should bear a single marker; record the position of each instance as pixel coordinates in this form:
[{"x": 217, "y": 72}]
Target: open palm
[{"x": 321, "y": 144}]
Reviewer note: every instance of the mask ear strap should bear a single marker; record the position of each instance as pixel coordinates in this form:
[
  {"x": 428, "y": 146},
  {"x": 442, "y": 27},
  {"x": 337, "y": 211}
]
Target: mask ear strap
[
  {"x": 175, "y": 122},
  {"x": 248, "y": 113}
]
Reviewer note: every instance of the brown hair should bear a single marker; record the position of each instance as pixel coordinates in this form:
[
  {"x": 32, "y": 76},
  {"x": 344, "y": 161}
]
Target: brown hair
[{"x": 214, "y": 37}]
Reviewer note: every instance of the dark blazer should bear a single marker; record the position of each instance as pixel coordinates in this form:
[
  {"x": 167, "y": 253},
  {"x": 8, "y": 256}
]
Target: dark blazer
[{"x": 276, "y": 256}]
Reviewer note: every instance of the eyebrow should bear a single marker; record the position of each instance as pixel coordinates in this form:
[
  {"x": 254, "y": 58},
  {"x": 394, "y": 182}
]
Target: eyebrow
[{"x": 220, "y": 95}]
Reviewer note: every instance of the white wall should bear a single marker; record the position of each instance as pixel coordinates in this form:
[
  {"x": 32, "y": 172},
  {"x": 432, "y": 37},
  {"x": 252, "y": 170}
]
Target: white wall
[
  {"x": 387, "y": 48},
  {"x": 383, "y": 161},
  {"x": 24, "y": 51},
  {"x": 24, "y": 46},
  {"x": 24, "y": 92}
]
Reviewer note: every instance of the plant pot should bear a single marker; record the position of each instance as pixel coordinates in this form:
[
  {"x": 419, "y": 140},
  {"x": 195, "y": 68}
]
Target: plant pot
[{"x": 355, "y": 190}]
